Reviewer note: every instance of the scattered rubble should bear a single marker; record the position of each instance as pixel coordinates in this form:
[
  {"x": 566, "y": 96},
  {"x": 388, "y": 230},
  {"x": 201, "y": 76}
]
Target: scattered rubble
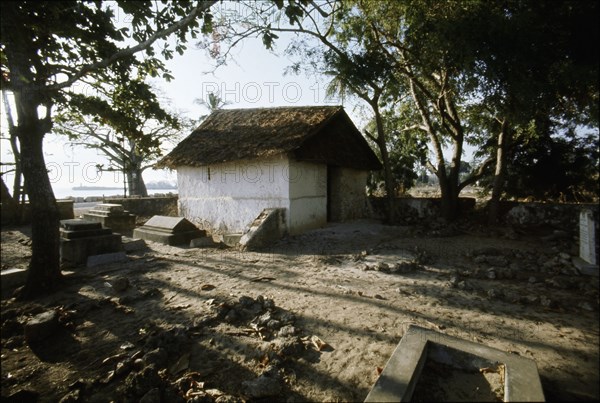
[{"x": 194, "y": 326}]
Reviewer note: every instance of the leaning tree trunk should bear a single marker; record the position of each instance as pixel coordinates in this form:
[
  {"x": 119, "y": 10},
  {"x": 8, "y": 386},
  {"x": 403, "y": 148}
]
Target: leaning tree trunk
[
  {"x": 44, "y": 269},
  {"x": 387, "y": 169},
  {"x": 498, "y": 183}
]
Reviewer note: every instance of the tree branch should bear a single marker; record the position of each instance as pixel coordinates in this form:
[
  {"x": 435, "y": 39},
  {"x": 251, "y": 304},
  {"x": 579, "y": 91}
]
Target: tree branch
[
  {"x": 129, "y": 51},
  {"x": 475, "y": 176}
]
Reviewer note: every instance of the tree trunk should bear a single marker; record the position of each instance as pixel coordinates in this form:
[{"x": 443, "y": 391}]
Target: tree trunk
[
  {"x": 44, "y": 269},
  {"x": 387, "y": 169},
  {"x": 449, "y": 196},
  {"x": 136, "y": 185},
  {"x": 14, "y": 147},
  {"x": 450, "y": 190},
  {"x": 498, "y": 183}
]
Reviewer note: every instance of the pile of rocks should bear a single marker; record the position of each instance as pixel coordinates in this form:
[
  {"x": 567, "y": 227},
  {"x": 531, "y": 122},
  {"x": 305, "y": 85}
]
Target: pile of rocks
[{"x": 535, "y": 275}]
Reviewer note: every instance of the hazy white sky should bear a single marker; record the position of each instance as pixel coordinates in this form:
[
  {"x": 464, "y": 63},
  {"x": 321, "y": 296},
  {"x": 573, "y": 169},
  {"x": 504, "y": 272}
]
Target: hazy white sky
[{"x": 255, "y": 78}]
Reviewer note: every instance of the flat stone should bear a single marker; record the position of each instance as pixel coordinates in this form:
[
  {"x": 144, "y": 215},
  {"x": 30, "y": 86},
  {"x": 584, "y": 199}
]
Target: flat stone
[
  {"x": 11, "y": 279},
  {"x": 109, "y": 207},
  {"x": 403, "y": 370},
  {"x": 106, "y": 258},
  {"x": 41, "y": 326},
  {"x": 78, "y": 224},
  {"x": 586, "y": 268},
  {"x": 86, "y": 233}
]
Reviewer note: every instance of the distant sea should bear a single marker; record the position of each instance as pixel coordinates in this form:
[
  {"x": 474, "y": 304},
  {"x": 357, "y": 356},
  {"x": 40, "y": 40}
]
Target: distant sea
[{"x": 63, "y": 193}]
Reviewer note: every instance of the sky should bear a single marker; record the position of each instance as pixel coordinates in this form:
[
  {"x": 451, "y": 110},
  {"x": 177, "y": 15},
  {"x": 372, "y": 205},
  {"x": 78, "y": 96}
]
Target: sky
[{"x": 253, "y": 78}]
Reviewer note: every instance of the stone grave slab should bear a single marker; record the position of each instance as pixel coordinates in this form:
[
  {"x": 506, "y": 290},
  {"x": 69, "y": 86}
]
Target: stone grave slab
[
  {"x": 77, "y": 224},
  {"x": 587, "y": 262},
  {"x": 111, "y": 216},
  {"x": 82, "y": 238},
  {"x": 168, "y": 230},
  {"x": 106, "y": 258},
  {"x": 12, "y": 279},
  {"x": 418, "y": 346}
]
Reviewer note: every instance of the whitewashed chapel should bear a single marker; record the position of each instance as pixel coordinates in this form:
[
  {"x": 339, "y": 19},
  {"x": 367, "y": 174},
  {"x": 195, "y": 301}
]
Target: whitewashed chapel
[{"x": 310, "y": 161}]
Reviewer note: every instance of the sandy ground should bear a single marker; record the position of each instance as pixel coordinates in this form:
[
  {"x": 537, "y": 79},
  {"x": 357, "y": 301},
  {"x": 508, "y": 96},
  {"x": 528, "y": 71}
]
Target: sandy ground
[{"x": 314, "y": 318}]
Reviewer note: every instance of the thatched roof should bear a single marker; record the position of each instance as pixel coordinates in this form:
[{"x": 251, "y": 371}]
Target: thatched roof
[{"x": 323, "y": 134}]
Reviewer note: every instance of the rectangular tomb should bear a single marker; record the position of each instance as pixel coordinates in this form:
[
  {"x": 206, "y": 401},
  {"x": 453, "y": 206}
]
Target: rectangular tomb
[
  {"x": 424, "y": 355},
  {"x": 82, "y": 238},
  {"x": 112, "y": 216},
  {"x": 168, "y": 230}
]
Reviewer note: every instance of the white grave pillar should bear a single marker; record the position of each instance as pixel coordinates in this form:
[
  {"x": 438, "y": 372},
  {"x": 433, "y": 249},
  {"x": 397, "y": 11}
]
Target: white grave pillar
[{"x": 587, "y": 237}]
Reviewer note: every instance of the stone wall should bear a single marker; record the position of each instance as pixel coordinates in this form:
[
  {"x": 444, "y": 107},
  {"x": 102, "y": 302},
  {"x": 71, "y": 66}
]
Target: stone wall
[
  {"x": 347, "y": 194},
  {"x": 148, "y": 206},
  {"x": 412, "y": 210},
  {"x": 65, "y": 209},
  {"x": 563, "y": 216}
]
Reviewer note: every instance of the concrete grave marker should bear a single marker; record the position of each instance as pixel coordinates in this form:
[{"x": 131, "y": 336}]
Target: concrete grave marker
[
  {"x": 404, "y": 369},
  {"x": 111, "y": 216},
  {"x": 82, "y": 238},
  {"x": 11, "y": 279},
  {"x": 587, "y": 237},
  {"x": 587, "y": 262},
  {"x": 168, "y": 230}
]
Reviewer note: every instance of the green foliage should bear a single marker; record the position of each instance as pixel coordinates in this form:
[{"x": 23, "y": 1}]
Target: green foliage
[
  {"x": 48, "y": 41},
  {"x": 554, "y": 167},
  {"x": 125, "y": 108},
  {"x": 406, "y": 153}
]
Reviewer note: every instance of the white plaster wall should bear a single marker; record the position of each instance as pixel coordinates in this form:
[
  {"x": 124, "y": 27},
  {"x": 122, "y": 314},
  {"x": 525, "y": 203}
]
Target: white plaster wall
[
  {"x": 228, "y": 197},
  {"x": 308, "y": 196}
]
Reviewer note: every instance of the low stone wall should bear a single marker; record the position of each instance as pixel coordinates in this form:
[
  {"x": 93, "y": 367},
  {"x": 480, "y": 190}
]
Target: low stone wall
[
  {"x": 564, "y": 216},
  {"x": 147, "y": 206},
  {"x": 65, "y": 209},
  {"x": 409, "y": 210}
]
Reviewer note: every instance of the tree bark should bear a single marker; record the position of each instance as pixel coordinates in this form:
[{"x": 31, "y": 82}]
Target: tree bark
[
  {"x": 17, "y": 183},
  {"x": 387, "y": 169},
  {"x": 449, "y": 195},
  {"x": 135, "y": 182},
  {"x": 498, "y": 183},
  {"x": 44, "y": 273}
]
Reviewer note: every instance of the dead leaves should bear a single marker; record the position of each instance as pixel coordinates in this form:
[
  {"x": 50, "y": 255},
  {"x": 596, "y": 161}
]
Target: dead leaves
[{"x": 319, "y": 344}]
